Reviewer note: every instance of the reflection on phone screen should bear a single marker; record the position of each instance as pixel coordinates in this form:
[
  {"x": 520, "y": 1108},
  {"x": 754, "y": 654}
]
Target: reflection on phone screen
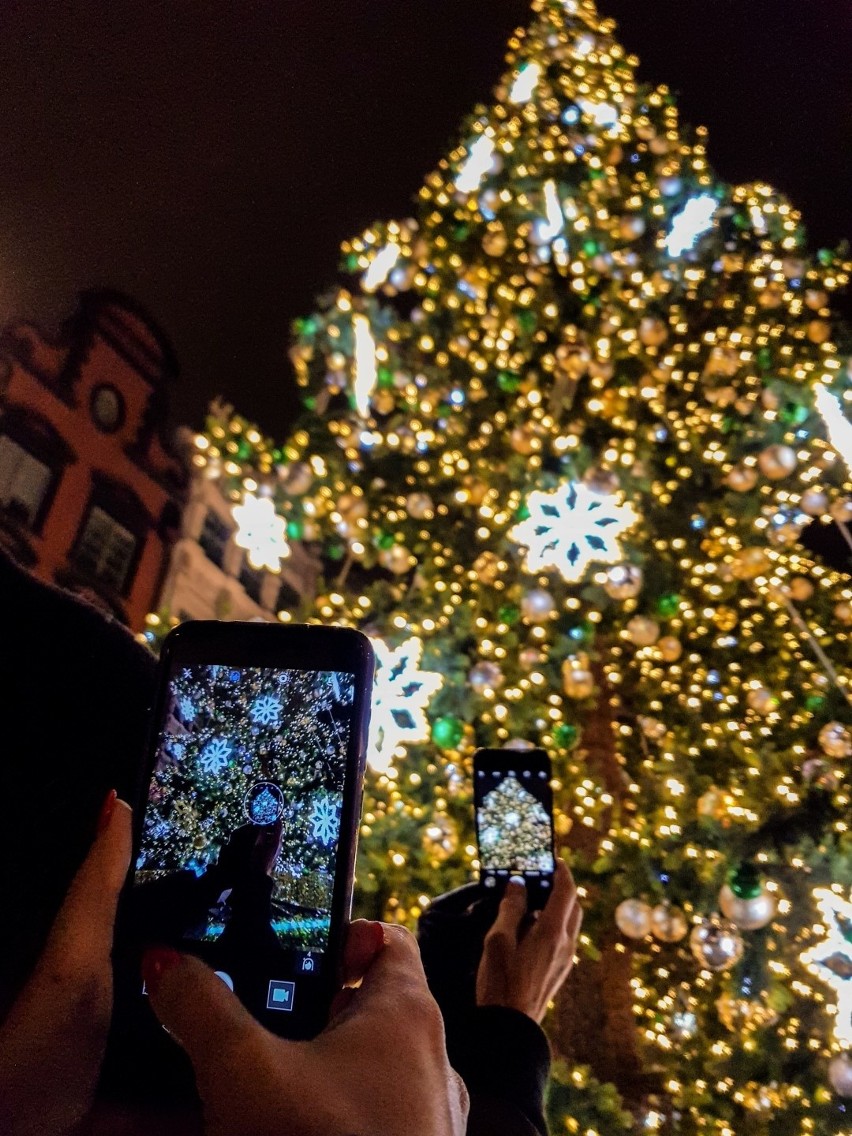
[{"x": 240, "y": 838}]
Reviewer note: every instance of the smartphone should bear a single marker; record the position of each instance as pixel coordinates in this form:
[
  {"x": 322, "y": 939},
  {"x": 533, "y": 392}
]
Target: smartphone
[
  {"x": 246, "y": 838},
  {"x": 513, "y": 803}
]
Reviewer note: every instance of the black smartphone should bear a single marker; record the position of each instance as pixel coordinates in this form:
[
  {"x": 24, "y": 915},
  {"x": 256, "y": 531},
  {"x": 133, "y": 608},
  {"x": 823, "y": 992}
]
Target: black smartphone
[
  {"x": 513, "y": 803},
  {"x": 246, "y": 838}
]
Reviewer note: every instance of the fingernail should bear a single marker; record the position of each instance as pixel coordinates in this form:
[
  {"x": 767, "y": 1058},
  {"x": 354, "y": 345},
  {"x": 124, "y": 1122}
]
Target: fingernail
[
  {"x": 518, "y": 881},
  {"x": 155, "y": 962},
  {"x": 107, "y": 809},
  {"x": 378, "y": 936}
]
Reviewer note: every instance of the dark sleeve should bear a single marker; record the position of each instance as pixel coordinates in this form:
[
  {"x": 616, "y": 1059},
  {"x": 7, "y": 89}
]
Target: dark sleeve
[{"x": 504, "y": 1059}]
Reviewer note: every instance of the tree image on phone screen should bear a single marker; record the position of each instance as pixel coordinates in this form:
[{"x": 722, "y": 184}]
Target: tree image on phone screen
[
  {"x": 514, "y": 829},
  {"x": 241, "y": 831}
]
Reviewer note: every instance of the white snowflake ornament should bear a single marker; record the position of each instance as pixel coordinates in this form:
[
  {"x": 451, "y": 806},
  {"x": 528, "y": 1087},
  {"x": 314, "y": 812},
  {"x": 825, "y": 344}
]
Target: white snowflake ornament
[
  {"x": 831, "y": 959},
  {"x": 570, "y": 528},
  {"x": 325, "y": 821},
  {"x": 266, "y": 711},
  {"x": 401, "y": 694},
  {"x": 261, "y": 532},
  {"x": 214, "y": 757}
]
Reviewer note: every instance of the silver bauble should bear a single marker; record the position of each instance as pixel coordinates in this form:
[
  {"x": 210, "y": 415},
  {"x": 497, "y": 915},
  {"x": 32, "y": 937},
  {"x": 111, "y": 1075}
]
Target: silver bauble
[
  {"x": 396, "y": 559},
  {"x": 843, "y": 613},
  {"x": 777, "y": 461},
  {"x": 538, "y": 605},
  {"x": 485, "y": 676},
  {"x": 748, "y": 914},
  {"x": 296, "y": 478},
  {"x": 633, "y": 918},
  {"x": 668, "y": 923},
  {"x": 742, "y": 478},
  {"x": 835, "y": 740},
  {"x": 840, "y": 1074},
  {"x": 814, "y": 502},
  {"x": 643, "y": 631},
  {"x": 761, "y": 700},
  {"x": 841, "y": 511},
  {"x": 623, "y": 581},
  {"x": 601, "y": 481},
  {"x": 419, "y": 505},
  {"x": 716, "y": 943}
]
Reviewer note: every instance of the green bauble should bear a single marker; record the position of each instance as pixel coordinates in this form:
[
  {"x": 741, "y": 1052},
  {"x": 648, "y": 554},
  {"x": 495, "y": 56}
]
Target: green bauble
[
  {"x": 384, "y": 540},
  {"x": 295, "y": 530},
  {"x": 668, "y": 605},
  {"x": 814, "y": 702},
  {"x": 384, "y": 377},
  {"x": 566, "y": 735},
  {"x": 526, "y": 320},
  {"x": 792, "y": 414},
  {"x": 764, "y": 358},
  {"x": 447, "y": 732},
  {"x": 508, "y": 381},
  {"x": 335, "y": 551},
  {"x": 509, "y": 613}
]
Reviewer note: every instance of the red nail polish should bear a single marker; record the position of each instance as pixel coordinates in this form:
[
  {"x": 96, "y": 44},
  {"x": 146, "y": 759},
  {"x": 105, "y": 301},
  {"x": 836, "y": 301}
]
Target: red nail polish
[
  {"x": 378, "y": 936},
  {"x": 107, "y": 809},
  {"x": 155, "y": 962}
]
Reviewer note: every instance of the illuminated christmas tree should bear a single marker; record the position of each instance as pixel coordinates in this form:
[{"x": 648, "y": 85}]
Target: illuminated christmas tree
[{"x": 564, "y": 428}]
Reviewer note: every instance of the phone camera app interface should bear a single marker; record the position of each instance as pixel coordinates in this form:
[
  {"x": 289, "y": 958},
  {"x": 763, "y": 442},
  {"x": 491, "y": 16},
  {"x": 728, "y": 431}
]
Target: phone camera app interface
[
  {"x": 240, "y": 838},
  {"x": 513, "y": 821}
]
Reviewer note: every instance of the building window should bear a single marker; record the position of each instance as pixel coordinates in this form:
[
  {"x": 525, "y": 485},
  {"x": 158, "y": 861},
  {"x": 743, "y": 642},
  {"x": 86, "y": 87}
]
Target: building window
[
  {"x": 214, "y": 538},
  {"x": 24, "y": 480},
  {"x": 252, "y": 580},
  {"x": 105, "y": 550}
]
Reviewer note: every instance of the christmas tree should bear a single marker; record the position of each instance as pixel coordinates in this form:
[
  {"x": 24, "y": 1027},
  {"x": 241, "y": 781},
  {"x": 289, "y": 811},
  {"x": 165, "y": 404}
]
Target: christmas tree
[{"x": 564, "y": 428}]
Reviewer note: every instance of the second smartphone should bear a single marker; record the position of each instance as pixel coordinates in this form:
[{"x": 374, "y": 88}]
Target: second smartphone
[{"x": 513, "y": 803}]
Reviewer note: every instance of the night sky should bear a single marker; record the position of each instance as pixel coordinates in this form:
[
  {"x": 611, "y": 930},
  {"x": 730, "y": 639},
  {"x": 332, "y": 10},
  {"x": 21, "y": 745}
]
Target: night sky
[{"x": 208, "y": 158}]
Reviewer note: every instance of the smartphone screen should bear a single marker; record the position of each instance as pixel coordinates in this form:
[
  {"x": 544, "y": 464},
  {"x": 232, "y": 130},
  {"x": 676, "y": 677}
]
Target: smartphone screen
[
  {"x": 245, "y": 854},
  {"x": 513, "y": 803}
]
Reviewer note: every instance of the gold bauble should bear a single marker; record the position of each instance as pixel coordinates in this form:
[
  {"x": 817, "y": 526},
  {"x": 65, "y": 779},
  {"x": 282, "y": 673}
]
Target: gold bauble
[
  {"x": 777, "y": 461},
  {"x": 642, "y": 631},
  {"x": 396, "y": 559},
  {"x": 495, "y": 242},
  {"x": 351, "y": 507},
  {"x": 604, "y": 482},
  {"x": 772, "y": 296},
  {"x": 749, "y": 563},
  {"x": 440, "y": 838},
  {"x": 475, "y": 488},
  {"x": 487, "y": 567},
  {"x": 652, "y": 728},
  {"x": 669, "y": 648},
  {"x": 523, "y": 441},
  {"x": 841, "y": 511},
  {"x": 623, "y": 581},
  {"x": 745, "y": 1015},
  {"x": 715, "y": 804},
  {"x": 563, "y": 824},
  {"x": 843, "y": 613},
  {"x": 725, "y": 618},
  {"x": 383, "y": 401},
  {"x": 761, "y": 701},
  {"x": 742, "y": 479},
  {"x": 652, "y": 331},
  {"x": 577, "y": 680},
  {"x": 815, "y": 299},
  {"x": 613, "y": 404},
  {"x": 835, "y": 740},
  {"x": 800, "y": 589},
  {"x": 631, "y": 226},
  {"x": 668, "y": 923},
  {"x": 819, "y": 331}
]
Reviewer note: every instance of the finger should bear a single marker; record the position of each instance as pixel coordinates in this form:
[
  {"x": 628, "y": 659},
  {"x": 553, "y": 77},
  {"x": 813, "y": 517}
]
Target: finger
[
  {"x": 364, "y": 939},
  {"x": 575, "y": 920},
  {"x": 82, "y": 933},
  {"x": 563, "y": 899},
  {"x": 510, "y": 913},
  {"x": 397, "y": 967},
  {"x": 197, "y": 1008}
]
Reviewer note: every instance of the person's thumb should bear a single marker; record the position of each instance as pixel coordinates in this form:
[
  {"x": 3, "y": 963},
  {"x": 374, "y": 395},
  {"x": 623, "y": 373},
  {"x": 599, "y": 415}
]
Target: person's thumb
[
  {"x": 197, "y": 1009},
  {"x": 513, "y": 908}
]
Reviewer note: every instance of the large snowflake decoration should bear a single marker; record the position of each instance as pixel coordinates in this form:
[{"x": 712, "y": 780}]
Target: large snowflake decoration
[
  {"x": 831, "y": 958},
  {"x": 266, "y": 711},
  {"x": 325, "y": 821},
  {"x": 837, "y": 425},
  {"x": 186, "y": 708},
  {"x": 214, "y": 757},
  {"x": 571, "y": 528},
  {"x": 401, "y": 693},
  {"x": 261, "y": 531}
]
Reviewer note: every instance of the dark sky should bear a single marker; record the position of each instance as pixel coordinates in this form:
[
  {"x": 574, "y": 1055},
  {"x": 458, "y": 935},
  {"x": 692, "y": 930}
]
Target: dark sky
[{"x": 208, "y": 157}]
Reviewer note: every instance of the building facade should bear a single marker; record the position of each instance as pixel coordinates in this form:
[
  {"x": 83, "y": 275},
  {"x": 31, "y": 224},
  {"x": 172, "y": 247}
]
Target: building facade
[
  {"x": 90, "y": 493},
  {"x": 209, "y": 575}
]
